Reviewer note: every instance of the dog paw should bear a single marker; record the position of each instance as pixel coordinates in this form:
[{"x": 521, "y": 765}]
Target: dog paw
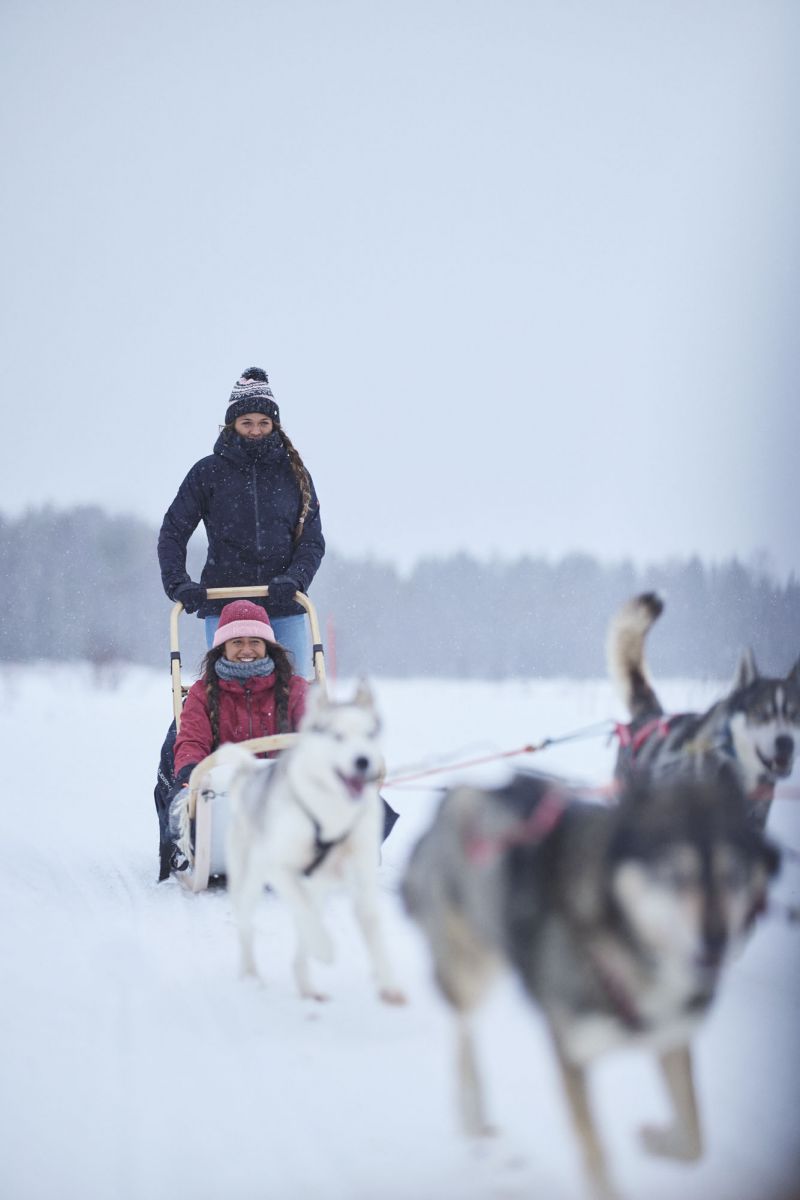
[
  {"x": 392, "y": 995},
  {"x": 669, "y": 1142},
  {"x": 317, "y": 997},
  {"x": 481, "y": 1131}
]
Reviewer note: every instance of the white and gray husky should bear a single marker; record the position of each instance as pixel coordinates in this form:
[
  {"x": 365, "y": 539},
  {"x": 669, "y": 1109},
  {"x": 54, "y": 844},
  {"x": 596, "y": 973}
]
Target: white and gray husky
[
  {"x": 306, "y": 823},
  {"x": 755, "y": 727},
  {"x": 617, "y": 922}
]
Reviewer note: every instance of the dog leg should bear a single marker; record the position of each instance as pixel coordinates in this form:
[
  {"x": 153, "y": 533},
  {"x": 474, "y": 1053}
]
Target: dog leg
[
  {"x": 682, "y": 1139},
  {"x": 470, "y": 1087},
  {"x": 365, "y": 903},
  {"x": 583, "y": 1122},
  {"x": 244, "y": 891},
  {"x": 302, "y": 978},
  {"x": 312, "y": 935},
  {"x": 244, "y": 897}
]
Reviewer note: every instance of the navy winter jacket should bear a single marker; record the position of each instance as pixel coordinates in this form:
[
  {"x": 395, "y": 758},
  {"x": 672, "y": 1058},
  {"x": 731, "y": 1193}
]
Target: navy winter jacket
[{"x": 247, "y": 497}]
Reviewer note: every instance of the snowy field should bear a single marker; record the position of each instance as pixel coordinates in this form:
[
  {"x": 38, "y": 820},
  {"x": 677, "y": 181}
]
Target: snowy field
[{"x": 137, "y": 1066}]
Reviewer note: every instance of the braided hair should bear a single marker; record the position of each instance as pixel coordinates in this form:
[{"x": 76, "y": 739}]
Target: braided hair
[
  {"x": 301, "y": 478},
  {"x": 299, "y": 471},
  {"x": 283, "y": 674}
]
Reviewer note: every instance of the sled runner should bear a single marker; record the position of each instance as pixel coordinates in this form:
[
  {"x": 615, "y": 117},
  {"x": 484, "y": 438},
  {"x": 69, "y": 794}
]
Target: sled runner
[{"x": 202, "y": 839}]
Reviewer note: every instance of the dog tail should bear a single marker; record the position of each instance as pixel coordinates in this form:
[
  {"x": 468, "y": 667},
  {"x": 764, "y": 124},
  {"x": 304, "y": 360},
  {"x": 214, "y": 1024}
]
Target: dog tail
[
  {"x": 625, "y": 654},
  {"x": 226, "y": 755},
  {"x": 231, "y": 755},
  {"x": 222, "y": 767}
]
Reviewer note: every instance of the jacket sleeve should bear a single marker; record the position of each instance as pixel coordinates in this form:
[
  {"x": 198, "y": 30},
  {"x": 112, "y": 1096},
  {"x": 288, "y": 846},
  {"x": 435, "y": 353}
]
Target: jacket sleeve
[
  {"x": 180, "y": 521},
  {"x": 310, "y": 547},
  {"x": 298, "y": 690},
  {"x": 193, "y": 742}
]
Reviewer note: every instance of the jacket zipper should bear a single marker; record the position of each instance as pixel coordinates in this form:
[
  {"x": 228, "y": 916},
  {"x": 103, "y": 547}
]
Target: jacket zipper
[
  {"x": 255, "y": 505},
  {"x": 249, "y": 712}
]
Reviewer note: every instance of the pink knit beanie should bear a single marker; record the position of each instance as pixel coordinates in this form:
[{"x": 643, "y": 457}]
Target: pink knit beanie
[{"x": 240, "y": 619}]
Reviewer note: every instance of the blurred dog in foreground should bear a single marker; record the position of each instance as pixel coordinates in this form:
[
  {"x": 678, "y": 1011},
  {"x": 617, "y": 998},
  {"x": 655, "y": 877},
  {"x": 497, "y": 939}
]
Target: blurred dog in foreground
[
  {"x": 755, "y": 727},
  {"x": 617, "y": 922},
  {"x": 307, "y": 823}
]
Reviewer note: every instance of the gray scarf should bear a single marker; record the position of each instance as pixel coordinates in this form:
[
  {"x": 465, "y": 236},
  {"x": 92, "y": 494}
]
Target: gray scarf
[{"x": 242, "y": 671}]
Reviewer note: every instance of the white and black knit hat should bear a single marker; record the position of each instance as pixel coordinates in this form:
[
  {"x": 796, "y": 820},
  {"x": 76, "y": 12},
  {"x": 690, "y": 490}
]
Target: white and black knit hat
[{"x": 252, "y": 393}]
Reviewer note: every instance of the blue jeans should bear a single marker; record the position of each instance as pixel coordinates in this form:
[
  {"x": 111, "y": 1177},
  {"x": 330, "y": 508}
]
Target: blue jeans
[{"x": 291, "y": 632}]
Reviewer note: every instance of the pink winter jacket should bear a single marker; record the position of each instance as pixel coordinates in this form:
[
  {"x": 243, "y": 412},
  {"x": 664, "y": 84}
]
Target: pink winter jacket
[{"x": 244, "y": 712}]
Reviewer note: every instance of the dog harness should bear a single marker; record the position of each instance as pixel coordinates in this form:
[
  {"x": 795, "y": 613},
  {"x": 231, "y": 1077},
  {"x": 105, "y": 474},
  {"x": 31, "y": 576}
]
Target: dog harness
[
  {"x": 322, "y": 846},
  {"x": 632, "y": 742},
  {"x": 759, "y": 798},
  {"x": 483, "y": 849}
]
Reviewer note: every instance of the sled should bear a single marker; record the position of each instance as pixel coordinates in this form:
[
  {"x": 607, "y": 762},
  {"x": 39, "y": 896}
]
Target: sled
[{"x": 207, "y": 805}]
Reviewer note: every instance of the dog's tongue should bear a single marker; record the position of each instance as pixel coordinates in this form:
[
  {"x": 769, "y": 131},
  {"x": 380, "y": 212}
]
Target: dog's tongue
[{"x": 353, "y": 783}]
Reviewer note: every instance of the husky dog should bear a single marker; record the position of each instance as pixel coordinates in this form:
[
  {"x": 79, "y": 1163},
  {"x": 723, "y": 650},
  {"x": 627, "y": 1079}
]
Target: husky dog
[
  {"x": 755, "y": 727},
  {"x": 617, "y": 921},
  {"x": 311, "y": 821}
]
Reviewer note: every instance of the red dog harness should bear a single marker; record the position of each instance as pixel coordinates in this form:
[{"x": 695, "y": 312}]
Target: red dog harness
[
  {"x": 633, "y": 742},
  {"x": 482, "y": 849}
]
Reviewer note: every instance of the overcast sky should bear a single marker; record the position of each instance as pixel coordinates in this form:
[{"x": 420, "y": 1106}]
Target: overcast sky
[{"x": 524, "y": 274}]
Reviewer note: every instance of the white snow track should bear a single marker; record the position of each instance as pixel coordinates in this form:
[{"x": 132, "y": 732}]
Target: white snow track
[{"x": 137, "y": 1066}]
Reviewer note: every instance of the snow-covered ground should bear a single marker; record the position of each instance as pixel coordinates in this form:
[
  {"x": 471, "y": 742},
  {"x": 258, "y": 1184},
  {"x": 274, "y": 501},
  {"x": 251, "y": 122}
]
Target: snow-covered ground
[{"x": 135, "y": 1065}]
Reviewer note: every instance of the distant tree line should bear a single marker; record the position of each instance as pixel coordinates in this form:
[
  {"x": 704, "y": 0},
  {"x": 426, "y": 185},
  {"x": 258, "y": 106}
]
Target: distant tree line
[{"x": 83, "y": 584}]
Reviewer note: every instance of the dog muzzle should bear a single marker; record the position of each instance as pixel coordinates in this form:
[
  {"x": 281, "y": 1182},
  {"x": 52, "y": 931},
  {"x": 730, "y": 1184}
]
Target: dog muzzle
[{"x": 782, "y": 761}]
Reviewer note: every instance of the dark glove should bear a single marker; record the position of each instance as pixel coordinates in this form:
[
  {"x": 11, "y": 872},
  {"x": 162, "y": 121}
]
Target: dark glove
[
  {"x": 281, "y": 591},
  {"x": 191, "y": 596}
]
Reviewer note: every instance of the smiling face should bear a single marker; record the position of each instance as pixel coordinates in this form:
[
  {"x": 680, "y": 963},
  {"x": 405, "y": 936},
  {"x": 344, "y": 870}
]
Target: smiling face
[
  {"x": 253, "y": 425},
  {"x": 245, "y": 649}
]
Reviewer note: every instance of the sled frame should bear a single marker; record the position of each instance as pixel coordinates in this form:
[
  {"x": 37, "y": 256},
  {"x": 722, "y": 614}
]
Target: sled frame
[{"x": 195, "y": 877}]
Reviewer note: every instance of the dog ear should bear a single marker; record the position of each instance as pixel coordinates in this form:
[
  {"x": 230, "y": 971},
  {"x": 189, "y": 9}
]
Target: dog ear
[
  {"x": 746, "y": 672},
  {"x": 794, "y": 674},
  {"x": 364, "y": 697}
]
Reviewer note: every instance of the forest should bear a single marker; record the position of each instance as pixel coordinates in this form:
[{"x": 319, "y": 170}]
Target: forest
[{"x": 83, "y": 584}]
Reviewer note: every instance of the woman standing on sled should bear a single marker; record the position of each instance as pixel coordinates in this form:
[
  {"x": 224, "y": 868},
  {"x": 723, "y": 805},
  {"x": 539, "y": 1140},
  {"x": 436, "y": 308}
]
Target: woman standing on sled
[{"x": 261, "y": 515}]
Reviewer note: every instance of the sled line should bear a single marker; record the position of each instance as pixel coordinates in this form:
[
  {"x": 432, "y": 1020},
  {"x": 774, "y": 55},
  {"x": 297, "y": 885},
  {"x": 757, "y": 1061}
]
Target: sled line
[{"x": 603, "y": 728}]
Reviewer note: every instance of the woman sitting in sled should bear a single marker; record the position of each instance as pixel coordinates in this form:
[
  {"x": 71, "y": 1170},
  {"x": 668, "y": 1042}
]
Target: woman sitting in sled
[{"x": 246, "y": 689}]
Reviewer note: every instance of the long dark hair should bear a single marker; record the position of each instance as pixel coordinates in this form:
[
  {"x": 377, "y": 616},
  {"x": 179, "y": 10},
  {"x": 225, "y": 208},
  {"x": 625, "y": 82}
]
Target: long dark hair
[
  {"x": 283, "y": 674},
  {"x": 299, "y": 471}
]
